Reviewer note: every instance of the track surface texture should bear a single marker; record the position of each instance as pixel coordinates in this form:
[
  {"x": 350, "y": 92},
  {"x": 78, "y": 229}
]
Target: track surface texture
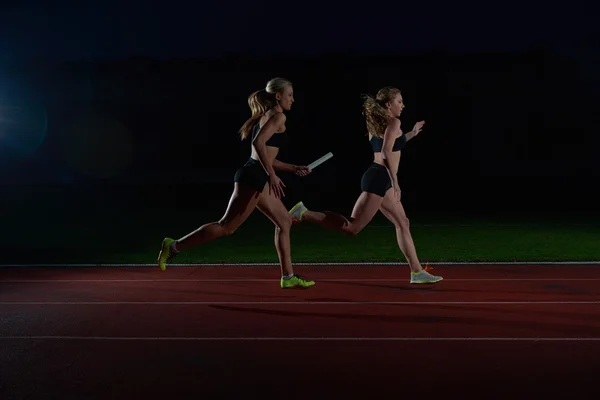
[{"x": 485, "y": 331}]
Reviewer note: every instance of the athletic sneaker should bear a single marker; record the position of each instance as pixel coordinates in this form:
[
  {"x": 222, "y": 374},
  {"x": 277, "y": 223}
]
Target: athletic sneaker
[
  {"x": 166, "y": 253},
  {"x": 297, "y": 211},
  {"x": 424, "y": 277},
  {"x": 296, "y": 282}
]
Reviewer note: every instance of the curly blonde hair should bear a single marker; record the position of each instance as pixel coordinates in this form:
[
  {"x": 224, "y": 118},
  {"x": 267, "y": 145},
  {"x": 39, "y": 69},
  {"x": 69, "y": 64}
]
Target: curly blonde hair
[
  {"x": 376, "y": 115},
  {"x": 262, "y": 101}
]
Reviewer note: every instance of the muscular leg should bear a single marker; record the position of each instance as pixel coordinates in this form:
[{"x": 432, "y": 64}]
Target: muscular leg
[
  {"x": 364, "y": 210},
  {"x": 275, "y": 210},
  {"x": 243, "y": 201},
  {"x": 394, "y": 211}
]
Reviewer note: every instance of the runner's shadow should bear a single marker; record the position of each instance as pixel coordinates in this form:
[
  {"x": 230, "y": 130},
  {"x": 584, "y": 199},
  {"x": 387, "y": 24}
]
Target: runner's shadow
[
  {"x": 570, "y": 328},
  {"x": 413, "y": 288},
  {"x": 403, "y": 288},
  {"x": 229, "y": 294},
  {"x": 429, "y": 319}
]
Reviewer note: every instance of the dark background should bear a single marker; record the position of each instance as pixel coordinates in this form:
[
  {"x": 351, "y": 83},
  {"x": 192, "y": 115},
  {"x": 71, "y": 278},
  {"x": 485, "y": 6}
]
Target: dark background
[{"x": 138, "y": 106}]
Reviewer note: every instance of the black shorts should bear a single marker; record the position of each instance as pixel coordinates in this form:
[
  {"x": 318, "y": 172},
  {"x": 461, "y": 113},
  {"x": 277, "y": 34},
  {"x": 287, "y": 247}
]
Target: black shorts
[
  {"x": 252, "y": 174},
  {"x": 376, "y": 179}
]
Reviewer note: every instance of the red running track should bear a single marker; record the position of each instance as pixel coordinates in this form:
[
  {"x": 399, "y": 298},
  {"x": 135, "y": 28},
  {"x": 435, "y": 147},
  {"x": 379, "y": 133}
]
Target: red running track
[{"x": 486, "y": 331}]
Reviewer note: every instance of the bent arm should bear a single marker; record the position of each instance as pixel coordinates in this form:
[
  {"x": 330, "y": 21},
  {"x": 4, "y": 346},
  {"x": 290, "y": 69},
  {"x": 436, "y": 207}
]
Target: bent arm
[
  {"x": 415, "y": 131},
  {"x": 260, "y": 141},
  {"x": 410, "y": 135},
  {"x": 392, "y": 132},
  {"x": 281, "y": 166}
]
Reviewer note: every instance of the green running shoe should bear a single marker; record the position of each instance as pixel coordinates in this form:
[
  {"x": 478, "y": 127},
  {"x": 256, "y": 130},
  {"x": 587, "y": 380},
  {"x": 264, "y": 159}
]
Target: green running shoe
[
  {"x": 296, "y": 282},
  {"x": 166, "y": 253}
]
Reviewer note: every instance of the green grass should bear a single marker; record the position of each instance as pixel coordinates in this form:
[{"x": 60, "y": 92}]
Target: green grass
[{"x": 61, "y": 237}]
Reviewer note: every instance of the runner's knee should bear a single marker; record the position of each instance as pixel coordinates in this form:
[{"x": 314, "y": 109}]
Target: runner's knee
[
  {"x": 352, "y": 228},
  {"x": 284, "y": 224},
  {"x": 227, "y": 227}
]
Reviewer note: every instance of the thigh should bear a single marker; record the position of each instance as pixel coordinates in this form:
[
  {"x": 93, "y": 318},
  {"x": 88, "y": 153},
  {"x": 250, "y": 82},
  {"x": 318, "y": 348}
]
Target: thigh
[
  {"x": 365, "y": 209},
  {"x": 392, "y": 209},
  {"x": 274, "y": 209},
  {"x": 242, "y": 203}
]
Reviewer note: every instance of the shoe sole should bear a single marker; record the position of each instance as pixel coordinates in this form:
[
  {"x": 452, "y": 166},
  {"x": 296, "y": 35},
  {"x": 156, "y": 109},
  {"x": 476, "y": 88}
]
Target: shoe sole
[
  {"x": 162, "y": 250},
  {"x": 298, "y": 287},
  {"x": 293, "y": 209},
  {"x": 426, "y": 282}
]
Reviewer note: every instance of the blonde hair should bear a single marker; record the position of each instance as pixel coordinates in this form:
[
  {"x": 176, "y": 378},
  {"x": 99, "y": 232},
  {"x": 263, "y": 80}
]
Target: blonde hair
[
  {"x": 376, "y": 115},
  {"x": 262, "y": 101}
]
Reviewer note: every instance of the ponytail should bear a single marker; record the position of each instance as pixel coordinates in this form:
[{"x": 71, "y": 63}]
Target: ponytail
[
  {"x": 376, "y": 116},
  {"x": 260, "y": 102}
]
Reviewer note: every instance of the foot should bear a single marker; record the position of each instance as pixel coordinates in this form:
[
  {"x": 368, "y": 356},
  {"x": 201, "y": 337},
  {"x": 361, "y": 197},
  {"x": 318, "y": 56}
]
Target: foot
[
  {"x": 297, "y": 211},
  {"x": 424, "y": 277},
  {"x": 296, "y": 282},
  {"x": 166, "y": 253}
]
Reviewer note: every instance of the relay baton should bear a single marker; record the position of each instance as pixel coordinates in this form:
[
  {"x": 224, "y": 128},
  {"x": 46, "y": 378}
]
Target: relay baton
[{"x": 320, "y": 161}]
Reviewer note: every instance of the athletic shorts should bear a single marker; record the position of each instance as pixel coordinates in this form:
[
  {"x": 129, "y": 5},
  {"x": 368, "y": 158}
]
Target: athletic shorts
[
  {"x": 376, "y": 179},
  {"x": 252, "y": 174}
]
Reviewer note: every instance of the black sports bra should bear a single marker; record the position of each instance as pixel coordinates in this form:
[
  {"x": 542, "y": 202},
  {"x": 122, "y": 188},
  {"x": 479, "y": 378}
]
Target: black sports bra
[
  {"x": 276, "y": 140},
  {"x": 377, "y": 143}
]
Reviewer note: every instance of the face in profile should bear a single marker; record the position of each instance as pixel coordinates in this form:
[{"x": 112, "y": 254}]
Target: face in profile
[
  {"x": 286, "y": 98},
  {"x": 396, "y": 105}
]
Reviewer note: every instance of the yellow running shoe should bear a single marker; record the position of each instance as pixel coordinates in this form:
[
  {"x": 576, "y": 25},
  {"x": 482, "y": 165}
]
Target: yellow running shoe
[
  {"x": 166, "y": 253},
  {"x": 424, "y": 276},
  {"x": 297, "y": 211},
  {"x": 296, "y": 282}
]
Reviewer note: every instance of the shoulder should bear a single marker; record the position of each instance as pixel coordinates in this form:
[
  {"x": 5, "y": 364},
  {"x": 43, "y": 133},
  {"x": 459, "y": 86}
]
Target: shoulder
[
  {"x": 277, "y": 117},
  {"x": 393, "y": 127},
  {"x": 394, "y": 123}
]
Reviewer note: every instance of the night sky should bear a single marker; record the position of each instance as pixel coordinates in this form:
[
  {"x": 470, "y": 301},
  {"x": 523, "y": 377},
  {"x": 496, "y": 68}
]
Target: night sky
[
  {"x": 110, "y": 30},
  {"x": 70, "y": 30}
]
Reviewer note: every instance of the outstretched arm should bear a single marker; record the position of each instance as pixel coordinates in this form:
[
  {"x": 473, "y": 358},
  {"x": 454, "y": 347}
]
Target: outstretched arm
[{"x": 415, "y": 131}]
